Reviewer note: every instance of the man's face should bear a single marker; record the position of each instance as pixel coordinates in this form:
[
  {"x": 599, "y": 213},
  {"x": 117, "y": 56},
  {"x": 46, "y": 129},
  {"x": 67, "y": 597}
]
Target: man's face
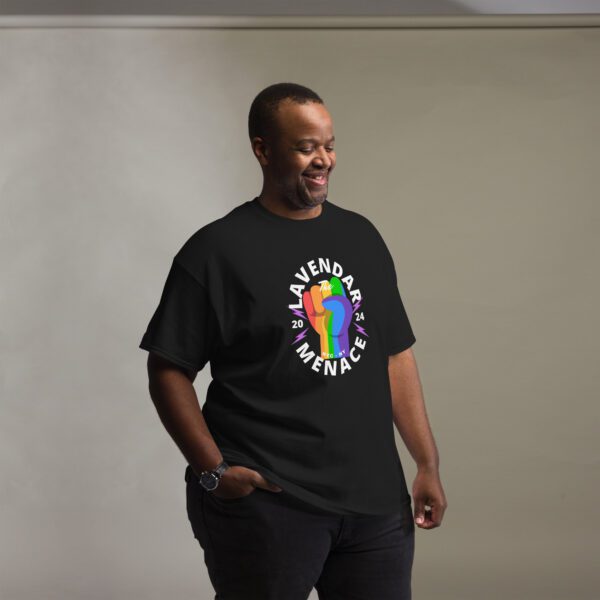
[{"x": 302, "y": 156}]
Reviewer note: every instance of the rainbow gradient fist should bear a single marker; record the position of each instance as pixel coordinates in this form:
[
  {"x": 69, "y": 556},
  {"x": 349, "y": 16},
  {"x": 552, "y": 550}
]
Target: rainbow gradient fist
[{"x": 329, "y": 312}]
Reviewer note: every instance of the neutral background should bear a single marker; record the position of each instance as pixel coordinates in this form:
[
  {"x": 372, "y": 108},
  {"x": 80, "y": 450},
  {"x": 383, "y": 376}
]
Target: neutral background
[{"x": 476, "y": 154}]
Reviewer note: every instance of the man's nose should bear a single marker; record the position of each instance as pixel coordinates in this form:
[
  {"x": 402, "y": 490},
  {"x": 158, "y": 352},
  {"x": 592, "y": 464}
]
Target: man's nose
[{"x": 325, "y": 159}]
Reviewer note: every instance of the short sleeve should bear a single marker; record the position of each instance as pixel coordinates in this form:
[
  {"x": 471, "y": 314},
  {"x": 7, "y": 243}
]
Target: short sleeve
[
  {"x": 398, "y": 331},
  {"x": 183, "y": 328}
]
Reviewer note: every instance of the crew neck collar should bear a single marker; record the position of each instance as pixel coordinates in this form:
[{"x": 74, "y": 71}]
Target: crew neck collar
[{"x": 265, "y": 212}]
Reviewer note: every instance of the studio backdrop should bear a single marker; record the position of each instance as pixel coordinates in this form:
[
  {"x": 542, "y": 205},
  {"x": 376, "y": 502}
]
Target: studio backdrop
[{"x": 473, "y": 150}]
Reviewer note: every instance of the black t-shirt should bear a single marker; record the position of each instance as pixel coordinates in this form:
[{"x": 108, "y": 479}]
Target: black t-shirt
[{"x": 297, "y": 319}]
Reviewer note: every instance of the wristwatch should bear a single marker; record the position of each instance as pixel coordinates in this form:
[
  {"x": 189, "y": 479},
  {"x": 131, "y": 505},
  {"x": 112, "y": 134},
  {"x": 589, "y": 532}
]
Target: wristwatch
[{"x": 209, "y": 480}]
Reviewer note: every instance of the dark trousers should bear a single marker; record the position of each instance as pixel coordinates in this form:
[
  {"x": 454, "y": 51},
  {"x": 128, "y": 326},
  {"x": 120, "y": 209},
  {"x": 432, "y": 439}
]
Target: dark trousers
[{"x": 273, "y": 546}]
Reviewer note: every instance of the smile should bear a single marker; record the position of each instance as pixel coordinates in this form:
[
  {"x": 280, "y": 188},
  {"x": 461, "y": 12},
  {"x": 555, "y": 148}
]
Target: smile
[{"x": 321, "y": 180}]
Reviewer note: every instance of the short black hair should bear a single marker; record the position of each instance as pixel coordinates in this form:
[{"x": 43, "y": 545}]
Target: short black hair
[{"x": 261, "y": 119}]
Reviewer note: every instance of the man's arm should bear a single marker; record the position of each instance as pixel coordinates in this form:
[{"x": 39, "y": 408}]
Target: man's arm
[
  {"x": 173, "y": 394},
  {"x": 410, "y": 418}
]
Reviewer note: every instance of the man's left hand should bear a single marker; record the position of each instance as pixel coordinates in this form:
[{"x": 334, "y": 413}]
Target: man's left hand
[{"x": 428, "y": 491}]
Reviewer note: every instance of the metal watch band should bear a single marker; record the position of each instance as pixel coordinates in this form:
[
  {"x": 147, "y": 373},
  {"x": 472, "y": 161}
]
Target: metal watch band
[{"x": 220, "y": 469}]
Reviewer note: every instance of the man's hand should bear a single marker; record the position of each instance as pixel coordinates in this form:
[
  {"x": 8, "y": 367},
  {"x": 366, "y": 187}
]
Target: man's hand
[
  {"x": 329, "y": 312},
  {"x": 427, "y": 490},
  {"x": 412, "y": 423},
  {"x": 238, "y": 481}
]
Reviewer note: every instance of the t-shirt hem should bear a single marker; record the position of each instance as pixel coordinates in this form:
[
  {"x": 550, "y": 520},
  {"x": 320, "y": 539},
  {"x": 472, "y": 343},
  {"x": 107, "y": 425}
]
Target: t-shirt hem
[
  {"x": 233, "y": 458},
  {"x": 400, "y": 347},
  {"x": 169, "y": 356}
]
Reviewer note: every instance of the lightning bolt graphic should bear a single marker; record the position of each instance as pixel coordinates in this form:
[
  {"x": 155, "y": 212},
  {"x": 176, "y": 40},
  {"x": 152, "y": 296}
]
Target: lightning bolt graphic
[
  {"x": 360, "y": 329},
  {"x": 300, "y": 336},
  {"x": 299, "y": 313}
]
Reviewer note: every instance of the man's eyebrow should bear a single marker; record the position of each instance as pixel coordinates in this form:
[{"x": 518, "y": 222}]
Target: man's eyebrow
[{"x": 331, "y": 139}]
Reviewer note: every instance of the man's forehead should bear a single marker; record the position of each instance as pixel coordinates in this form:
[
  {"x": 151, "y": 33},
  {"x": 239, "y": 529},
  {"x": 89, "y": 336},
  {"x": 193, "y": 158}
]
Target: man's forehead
[
  {"x": 298, "y": 123},
  {"x": 310, "y": 114}
]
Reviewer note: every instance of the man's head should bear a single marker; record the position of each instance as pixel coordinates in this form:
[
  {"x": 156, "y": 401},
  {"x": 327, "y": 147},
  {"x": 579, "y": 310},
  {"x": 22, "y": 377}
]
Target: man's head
[{"x": 291, "y": 133}]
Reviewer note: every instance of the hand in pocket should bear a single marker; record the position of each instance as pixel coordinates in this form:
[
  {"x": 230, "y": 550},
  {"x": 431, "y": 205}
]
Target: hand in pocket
[{"x": 238, "y": 481}]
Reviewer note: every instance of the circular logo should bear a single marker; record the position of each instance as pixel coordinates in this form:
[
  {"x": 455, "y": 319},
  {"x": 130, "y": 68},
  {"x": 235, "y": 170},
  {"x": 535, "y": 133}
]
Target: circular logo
[{"x": 328, "y": 320}]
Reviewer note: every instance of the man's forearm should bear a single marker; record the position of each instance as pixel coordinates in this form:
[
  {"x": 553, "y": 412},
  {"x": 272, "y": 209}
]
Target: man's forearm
[
  {"x": 177, "y": 405},
  {"x": 410, "y": 416}
]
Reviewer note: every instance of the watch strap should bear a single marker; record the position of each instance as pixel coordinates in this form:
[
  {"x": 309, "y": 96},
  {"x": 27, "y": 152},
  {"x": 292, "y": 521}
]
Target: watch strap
[
  {"x": 220, "y": 469},
  {"x": 213, "y": 475}
]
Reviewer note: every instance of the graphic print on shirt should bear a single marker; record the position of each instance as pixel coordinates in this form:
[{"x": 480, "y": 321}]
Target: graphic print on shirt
[{"x": 327, "y": 317}]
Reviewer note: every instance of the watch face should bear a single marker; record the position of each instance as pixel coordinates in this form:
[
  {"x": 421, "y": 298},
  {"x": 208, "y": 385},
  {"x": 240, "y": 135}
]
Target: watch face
[{"x": 209, "y": 481}]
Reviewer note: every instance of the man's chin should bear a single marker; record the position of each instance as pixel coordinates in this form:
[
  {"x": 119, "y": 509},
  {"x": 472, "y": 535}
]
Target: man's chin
[
  {"x": 314, "y": 199},
  {"x": 304, "y": 198}
]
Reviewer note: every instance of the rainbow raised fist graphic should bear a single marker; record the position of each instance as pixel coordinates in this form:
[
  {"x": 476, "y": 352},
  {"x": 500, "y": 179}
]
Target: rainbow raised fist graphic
[{"x": 329, "y": 312}]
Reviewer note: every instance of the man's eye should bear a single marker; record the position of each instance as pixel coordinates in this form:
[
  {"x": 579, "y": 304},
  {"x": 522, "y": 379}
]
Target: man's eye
[{"x": 306, "y": 150}]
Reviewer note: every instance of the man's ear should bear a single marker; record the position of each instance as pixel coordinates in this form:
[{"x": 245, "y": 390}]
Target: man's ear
[{"x": 261, "y": 151}]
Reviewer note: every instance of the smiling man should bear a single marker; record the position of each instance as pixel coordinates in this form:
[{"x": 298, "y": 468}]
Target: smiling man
[
  {"x": 296, "y": 134},
  {"x": 293, "y": 479}
]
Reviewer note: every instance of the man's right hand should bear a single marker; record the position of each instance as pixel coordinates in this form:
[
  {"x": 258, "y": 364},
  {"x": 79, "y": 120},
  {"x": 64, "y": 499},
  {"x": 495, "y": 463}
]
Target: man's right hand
[{"x": 238, "y": 481}]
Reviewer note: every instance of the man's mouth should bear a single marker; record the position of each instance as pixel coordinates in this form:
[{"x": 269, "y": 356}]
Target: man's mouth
[{"x": 316, "y": 179}]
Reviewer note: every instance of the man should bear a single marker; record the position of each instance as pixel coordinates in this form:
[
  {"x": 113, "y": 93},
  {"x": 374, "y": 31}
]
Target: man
[{"x": 294, "y": 480}]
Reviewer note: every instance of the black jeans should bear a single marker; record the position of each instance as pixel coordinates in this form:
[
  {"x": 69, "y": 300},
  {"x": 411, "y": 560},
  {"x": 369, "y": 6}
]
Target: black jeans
[{"x": 273, "y": 546}]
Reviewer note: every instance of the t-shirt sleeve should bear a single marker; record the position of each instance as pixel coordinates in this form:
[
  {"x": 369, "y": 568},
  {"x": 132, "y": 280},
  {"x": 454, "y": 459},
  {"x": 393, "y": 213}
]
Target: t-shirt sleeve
[
  {"x": 399, "y": 334},
  {"x": 183, "y": 328}
]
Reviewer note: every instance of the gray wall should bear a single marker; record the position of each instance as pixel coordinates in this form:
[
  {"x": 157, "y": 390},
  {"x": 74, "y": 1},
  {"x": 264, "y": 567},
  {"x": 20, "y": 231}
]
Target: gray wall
[
  {"x": 476, "y": 154},
  {"x": 306, "y": 7}
]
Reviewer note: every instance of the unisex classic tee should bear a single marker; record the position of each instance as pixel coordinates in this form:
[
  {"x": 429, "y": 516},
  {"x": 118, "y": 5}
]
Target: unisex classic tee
[{"x": 297, "y": 319}]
